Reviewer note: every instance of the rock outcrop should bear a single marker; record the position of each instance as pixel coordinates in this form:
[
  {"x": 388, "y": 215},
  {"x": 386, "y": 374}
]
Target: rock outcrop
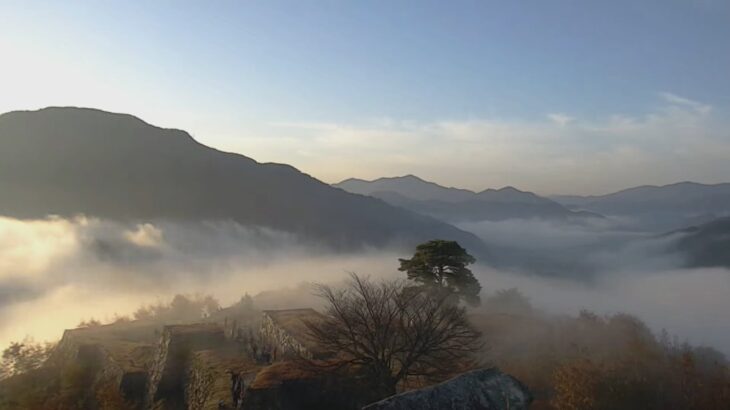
[{"x": 484, "y": 389}]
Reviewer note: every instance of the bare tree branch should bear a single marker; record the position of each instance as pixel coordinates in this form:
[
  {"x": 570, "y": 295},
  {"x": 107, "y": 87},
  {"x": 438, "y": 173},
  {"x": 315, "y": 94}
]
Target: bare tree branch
[{"x": 395, "y": 332}]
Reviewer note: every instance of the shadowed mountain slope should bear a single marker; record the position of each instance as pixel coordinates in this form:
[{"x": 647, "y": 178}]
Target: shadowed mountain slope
[
  {"x": 68, "y": 161},
  {"x": 706, "y": 245}
]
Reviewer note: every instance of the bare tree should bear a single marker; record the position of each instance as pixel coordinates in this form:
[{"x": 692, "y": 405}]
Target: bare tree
[{"x": 393, "y": 332}]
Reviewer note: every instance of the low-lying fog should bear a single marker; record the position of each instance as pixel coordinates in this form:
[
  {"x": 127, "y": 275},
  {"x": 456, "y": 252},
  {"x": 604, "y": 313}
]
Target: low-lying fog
[{"x": 56, "y": 272}]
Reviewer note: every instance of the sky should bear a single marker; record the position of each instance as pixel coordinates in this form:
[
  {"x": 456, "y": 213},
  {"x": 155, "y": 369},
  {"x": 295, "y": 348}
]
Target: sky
[{"x": 562, "y": 96}]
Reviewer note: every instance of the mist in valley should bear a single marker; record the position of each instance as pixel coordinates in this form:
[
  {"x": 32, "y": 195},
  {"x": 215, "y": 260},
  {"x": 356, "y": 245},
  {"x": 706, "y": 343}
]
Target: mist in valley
[
  {"x": 57, "y": 272},
  {"x": 364, "y": 206}
]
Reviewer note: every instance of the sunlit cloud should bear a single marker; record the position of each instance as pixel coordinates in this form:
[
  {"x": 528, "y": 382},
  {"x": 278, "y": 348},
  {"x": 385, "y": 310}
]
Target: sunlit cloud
[
  {"x": 680, "y": 140},
  {"x": 95, "y": 268},
  {"x": 55, "y": 272}
]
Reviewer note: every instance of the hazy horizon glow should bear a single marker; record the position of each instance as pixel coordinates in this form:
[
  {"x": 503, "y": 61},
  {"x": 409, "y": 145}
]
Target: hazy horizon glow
[{"x": 562, "y": 97}]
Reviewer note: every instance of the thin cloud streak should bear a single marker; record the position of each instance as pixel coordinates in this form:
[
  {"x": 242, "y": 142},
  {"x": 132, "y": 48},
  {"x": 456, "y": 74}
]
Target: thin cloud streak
[
  {"x": 560, "y": 119},
  {"x": 675, "y": 99}
]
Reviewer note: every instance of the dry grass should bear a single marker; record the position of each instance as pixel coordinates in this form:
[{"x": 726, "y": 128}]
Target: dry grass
[{"x": 280, "y": 372}]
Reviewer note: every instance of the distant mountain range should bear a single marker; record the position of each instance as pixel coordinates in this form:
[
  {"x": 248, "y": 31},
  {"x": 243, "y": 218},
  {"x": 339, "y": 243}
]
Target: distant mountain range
[
  {"x": 69, "y": 161},
  {"x": 659, "y": 207},
  {"x": 460, "y": 205}
]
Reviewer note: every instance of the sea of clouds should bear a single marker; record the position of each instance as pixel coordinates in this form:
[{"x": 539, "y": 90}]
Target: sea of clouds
[{"x": 56, "y": 272}]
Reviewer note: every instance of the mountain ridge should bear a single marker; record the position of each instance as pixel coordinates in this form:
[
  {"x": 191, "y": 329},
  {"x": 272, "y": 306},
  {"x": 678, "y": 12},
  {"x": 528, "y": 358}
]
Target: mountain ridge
[
  {"x": 69, "y": 160},
  {"x": 416, "y": 187},
  {"x": 659, "y": 208},
  {"x": 456, "y": 204},
  {"x": 640, "y": 188}
]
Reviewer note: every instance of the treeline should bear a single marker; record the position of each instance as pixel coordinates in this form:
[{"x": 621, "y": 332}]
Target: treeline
[
  {"x": 24, "y": 356},
  {"x": 180, "y": 308},
  {"x": 593, "y": 362}
]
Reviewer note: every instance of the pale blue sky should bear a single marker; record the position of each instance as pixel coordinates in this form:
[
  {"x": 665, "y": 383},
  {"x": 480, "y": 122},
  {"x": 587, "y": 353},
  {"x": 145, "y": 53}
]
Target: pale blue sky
[{"x": 552, "y": 96}]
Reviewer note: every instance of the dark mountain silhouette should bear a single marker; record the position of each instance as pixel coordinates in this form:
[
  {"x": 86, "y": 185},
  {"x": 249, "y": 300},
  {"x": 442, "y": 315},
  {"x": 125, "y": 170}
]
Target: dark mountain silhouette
[
  {"x": 706, "y": 245},
  {"x": 69, "y": 161},
  {"x": 659, "y": 208},
  {"x": 459, "y": 205}
]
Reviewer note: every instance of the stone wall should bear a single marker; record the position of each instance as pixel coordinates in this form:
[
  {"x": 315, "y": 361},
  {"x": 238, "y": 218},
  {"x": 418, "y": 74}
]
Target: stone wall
[
  {"x": 117, "y": 364},
  {"x": 168, "y": 373},
  {"x": 218, "y": 379},
  {"x": 279, "y": 342},
  {"x": 67, "y": 348},
  {"x": 130, "y": 383}
]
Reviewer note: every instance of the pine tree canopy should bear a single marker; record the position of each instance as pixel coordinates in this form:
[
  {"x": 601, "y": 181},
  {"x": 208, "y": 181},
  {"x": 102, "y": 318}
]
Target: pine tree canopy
[{"x": 443, "y": 264}]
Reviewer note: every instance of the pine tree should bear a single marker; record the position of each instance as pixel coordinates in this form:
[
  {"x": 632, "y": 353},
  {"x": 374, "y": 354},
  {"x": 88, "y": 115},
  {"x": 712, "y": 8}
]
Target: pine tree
[{"x": 440, "y": 263}]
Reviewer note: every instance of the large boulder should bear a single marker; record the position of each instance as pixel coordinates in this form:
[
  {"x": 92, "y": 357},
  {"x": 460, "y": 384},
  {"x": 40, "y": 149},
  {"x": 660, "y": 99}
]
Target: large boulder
[{"x": 476, "y": 390}]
